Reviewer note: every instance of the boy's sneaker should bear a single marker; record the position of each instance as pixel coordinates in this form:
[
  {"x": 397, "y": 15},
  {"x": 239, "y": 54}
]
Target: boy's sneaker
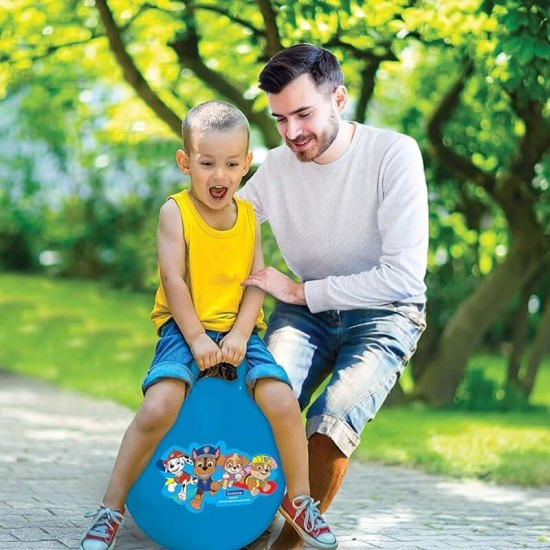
[
  {"x": 102, "y": 531},
  {"x": 302, "y": 513}
]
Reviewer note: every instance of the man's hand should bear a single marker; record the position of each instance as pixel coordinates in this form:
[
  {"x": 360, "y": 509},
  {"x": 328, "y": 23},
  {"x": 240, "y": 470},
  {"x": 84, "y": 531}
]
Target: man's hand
[
  {"x": 233, "y": 347},
  {"x": 205, "y": 351},
  {"x": 277, "y": 284}
]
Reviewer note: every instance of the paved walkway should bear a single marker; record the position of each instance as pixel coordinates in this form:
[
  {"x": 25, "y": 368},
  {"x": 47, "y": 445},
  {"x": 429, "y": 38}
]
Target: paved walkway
[{"x": 57, "y": 449}]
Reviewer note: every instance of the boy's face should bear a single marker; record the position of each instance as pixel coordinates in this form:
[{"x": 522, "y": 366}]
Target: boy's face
[
  {"x": 307, "y": 118},
  {"x": 216, "y": 162}
]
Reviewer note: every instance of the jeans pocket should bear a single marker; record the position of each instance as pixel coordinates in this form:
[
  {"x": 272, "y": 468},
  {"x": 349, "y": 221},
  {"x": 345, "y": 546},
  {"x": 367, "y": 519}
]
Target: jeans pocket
[{"x": 415, "y": 313}]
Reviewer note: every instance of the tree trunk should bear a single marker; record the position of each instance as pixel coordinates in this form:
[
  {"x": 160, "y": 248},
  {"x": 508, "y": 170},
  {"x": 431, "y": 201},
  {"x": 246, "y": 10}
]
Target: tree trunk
[
  {"x": 519, "y": 334},
  {"x": 396, "y": 396},
  {"x": 474, "y": 316},
  {"x": 539, "y": 349},
  {"x": 426, "y": 348}
]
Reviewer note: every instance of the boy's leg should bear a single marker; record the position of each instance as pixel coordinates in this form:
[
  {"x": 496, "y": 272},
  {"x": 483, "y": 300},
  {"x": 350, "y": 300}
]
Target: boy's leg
[
  {"x": 165, "y": 385},
  {"x": 154, "y": 418},
  {"x": 277, "y": 402},
  {"x": 305, "y": 345},
  {"x": 274, "y": 395},
  {"x": 288, "y": 539},
  {"x": 156, "y": 415}
]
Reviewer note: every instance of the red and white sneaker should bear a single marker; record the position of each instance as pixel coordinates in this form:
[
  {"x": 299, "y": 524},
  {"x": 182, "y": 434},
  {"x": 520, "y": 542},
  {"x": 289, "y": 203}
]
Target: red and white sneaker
[
  {"x": 102, "y": 531},
  {"x": 302, "y": 513}
]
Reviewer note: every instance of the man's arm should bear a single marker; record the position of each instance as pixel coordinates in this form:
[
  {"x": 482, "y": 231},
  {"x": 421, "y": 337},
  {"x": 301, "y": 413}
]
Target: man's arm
[
  {"x": 402, "y": 221},
  {"x": 171, "y": 256}
]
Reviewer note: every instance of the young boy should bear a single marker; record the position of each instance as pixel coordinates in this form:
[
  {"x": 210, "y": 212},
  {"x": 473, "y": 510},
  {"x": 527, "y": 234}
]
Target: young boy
[{"x": 208, "y": 244}]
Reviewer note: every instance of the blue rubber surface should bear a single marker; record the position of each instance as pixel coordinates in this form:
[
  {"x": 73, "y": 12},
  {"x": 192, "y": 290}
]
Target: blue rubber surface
[{"x": 219, "y": 429}]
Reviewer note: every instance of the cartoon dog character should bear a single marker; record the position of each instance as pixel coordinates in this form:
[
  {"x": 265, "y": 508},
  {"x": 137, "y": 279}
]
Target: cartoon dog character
[
  {"x": 205, "y": 459},
  {"x": 234, "y": 466},
  {"x": 258, "y": 472},
  {"x": 175, "y": 464}
]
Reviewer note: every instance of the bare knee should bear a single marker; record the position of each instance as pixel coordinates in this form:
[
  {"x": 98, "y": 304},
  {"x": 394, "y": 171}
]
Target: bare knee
[
  {"x": 275, "y": 399},
  {"x": 159, "y": 409}
]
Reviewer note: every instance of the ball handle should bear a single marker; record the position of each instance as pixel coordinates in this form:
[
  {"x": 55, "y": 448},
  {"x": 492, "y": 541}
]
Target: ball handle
[{"x": 225, "y": 371}]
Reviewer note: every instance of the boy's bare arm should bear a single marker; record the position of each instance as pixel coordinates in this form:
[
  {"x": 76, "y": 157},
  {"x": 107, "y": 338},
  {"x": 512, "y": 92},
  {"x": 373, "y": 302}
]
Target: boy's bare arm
[
  {"x": 279, "y": 285},
  {"x": 171, "y": 255},
  {"x": 233, "y": 345}
]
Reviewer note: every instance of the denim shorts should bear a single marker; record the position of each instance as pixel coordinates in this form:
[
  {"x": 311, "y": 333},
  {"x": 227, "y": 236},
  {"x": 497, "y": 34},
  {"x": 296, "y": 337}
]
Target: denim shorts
[
  {"x": 364, "y": 351},
  {"x": 173, "y": 359}
]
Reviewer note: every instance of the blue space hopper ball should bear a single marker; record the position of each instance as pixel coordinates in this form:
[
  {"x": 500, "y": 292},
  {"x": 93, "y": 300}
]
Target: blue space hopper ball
[{"x": 215, "y": 481}]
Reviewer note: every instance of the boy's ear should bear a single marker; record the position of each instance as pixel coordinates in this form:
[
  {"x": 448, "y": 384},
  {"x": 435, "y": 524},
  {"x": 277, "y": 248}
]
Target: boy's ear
[
  {"x": 248, "y": 162},
  {"x": 182, "y": 159}
]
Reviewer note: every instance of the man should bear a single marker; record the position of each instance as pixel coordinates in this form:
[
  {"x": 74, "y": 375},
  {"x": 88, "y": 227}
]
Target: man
[{"x": 347, "y": 204}]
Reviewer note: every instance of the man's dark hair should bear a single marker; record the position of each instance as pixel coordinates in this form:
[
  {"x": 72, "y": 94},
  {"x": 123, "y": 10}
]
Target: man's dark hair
[{"x": 289, "y": 64}]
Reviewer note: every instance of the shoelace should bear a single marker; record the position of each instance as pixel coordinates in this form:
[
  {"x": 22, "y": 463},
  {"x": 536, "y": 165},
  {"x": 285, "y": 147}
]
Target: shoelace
[
  {"x": 312, "y": 520},
  {"x": 101, "y": 524}
]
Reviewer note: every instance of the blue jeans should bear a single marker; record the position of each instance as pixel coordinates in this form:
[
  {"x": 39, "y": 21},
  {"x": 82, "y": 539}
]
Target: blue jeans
[
  {"x": 173, "y": 359},
  {"x": 363, "y": 350}
]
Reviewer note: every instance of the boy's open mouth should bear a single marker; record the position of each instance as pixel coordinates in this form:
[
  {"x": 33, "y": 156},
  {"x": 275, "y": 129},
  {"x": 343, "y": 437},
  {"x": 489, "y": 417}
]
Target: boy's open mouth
[{"x": 218, "y": 192}]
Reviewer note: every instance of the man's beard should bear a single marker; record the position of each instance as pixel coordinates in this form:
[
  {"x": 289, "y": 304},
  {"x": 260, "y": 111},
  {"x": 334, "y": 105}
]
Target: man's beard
[{"x": 320, "y": 143}]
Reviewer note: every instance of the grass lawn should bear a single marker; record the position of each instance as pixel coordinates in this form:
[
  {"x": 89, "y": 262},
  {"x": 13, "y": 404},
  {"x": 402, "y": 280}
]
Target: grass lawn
[
  {"x": 90, "y": 338},
  {"x": 77, "y": 334}
]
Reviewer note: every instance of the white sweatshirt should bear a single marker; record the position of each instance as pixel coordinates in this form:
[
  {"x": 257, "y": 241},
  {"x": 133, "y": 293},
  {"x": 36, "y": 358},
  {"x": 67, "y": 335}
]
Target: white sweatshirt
[{"x": 354, "y": 230}]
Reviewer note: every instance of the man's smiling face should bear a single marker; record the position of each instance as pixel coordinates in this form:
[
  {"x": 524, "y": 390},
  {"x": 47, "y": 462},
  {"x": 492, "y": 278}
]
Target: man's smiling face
[{"x": 307, "y": 118}]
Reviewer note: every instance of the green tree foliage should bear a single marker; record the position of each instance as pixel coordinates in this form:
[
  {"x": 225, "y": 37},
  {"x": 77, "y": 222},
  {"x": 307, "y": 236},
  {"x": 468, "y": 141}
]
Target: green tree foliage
[
  {"x": 496, "y": 174},
  {"x": 469, "y": 79}
]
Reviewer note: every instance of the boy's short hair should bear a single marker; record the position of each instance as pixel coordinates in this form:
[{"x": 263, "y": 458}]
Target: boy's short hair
[
  {"x": 213, "y": 115},
  {"x": 300, "y": 59}
]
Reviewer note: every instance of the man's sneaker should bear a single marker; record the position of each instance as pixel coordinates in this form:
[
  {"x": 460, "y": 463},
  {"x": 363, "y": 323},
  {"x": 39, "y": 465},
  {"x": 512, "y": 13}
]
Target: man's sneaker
[
  {"x": 102, "y": 531},
  {"x": 302, "y": 513}
]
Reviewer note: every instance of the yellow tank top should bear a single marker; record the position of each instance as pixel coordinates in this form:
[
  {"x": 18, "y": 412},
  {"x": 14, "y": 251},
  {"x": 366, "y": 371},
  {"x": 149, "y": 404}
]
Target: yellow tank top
[{"x": 217, "y": 263}]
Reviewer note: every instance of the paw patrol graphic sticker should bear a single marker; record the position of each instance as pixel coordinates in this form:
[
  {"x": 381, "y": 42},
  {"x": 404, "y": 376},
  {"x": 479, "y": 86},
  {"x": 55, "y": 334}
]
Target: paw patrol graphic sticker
[{"x": 216, "y": 475}]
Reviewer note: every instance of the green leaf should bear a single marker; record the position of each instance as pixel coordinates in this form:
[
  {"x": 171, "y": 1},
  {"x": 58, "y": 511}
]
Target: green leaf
[{"x": 526, "y": 53}]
